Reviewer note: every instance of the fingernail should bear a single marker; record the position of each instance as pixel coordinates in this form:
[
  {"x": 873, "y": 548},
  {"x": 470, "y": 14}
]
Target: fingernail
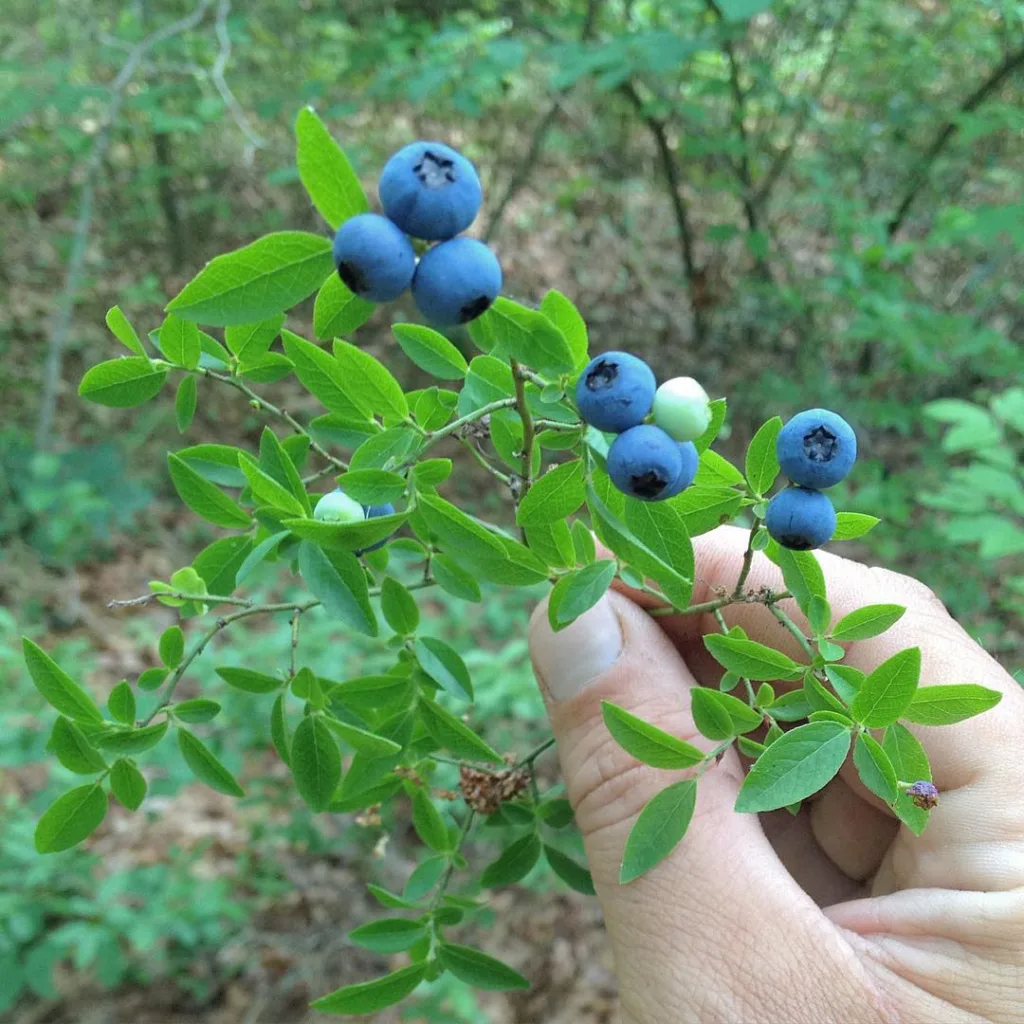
[{"x": 565, "y": 662}]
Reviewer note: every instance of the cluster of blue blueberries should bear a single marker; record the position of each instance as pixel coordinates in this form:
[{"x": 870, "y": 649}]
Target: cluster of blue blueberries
[
  {"x": 816, "y": 449},
  {"x": 430, "y": 192},
  {"x": 652, "y": 461},
  {"x": 338, "y": 507},
  {"x": 654, "y": 457}
]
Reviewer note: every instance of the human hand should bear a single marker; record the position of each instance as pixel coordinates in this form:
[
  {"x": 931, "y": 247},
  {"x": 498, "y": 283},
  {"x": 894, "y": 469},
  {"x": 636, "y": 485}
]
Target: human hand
[{"x": 839, "y": 913}]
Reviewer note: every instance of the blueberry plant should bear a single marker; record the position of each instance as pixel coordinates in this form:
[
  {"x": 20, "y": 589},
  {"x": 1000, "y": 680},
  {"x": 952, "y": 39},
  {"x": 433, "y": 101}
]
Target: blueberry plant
[{"x": 607, "y": 478}]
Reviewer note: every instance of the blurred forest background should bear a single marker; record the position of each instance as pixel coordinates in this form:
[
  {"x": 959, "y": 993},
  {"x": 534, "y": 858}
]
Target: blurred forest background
[{"x": 805, "y": 202}]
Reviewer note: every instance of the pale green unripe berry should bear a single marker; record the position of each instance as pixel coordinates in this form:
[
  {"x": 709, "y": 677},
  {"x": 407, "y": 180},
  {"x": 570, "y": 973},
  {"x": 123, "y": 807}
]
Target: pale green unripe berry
[
  {"x": 338, "y": 507},
  {"x": 682, "y": 408}
]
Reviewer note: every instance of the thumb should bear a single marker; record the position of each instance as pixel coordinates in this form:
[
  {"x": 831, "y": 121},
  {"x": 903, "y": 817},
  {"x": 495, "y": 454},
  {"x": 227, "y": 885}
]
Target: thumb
[{"x": 722, "y": 898}]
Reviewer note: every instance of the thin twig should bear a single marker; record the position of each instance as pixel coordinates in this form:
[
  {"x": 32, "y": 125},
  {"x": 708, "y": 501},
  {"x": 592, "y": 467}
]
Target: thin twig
[
  {"x": 254, "y": 141},
  {"x": 263, "y": 405},
  {"x": 793, "y": 628},
  {"x": 528, "y": 429},
  {"x": 83, "y": 224},
  {"x": 471, "y": 417},
  {"x": 446, "y": 878},
  {"x": 748, "y": 560},
  {"x": 534, "y": 754}
]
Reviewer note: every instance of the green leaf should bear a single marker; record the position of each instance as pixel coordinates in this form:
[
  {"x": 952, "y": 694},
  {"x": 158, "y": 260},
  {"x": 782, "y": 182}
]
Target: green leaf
[
  {"x": 362, "y": 740},
  {"x": 578, "y": 592},
  {"x": 718, "y": 410},
  {"x": 57, "y": 687},
  {"x": 315, "y": 762},
  {"x": 866, "y": 622},
  {"x": 179, "y": 342},
  {"x": 325, "y": 171},
  {"x": 431, "y": 472},
  {"x": 846, "y": 681},
  {"x": 277, "y": 463},
  {"x": 372, "y": 486},
  {"x": 204, "y": 498},
  {"x": 204, "y": 766},
  {"x": 198, "y": 709},
  {"x": 480, "y": 970},
  {"x": 248, "y": 681},
  {"x": 172, "y": 646},
  {"x": 566, "y": 317},
  {"x": 337, "y": 311},
  {"x": 279, "y": 731},
  {"x": 371, "y": 996},
  {"x": 762, "y": 464},
  {"x": 555, "y": 495},
  {"x": 431, "y": 351},
  {"x": 705, "y": 507},
  {"x": 794, "y": 767},
  {"x": 217, "y": 463},
  {"x": 910, "y": 763},
  {"x": 751, "y": 660},
  {"x": 124, "y": 332},
  {"x": 454, "y": 735},
  {"x": 73, "y": 750},
  {"x": 454, "y": 579},
  {"x": 874, "y": 768},
  {"x": 346, "y": 537},
  {"x": 389, "y": 449},
  {"x": 399, "y": 607},
  {"x": 251, "y": 341},
  {"x": 121, "y": 383},
  {"x": 552, "y": 543},
  {"x": 513, "y": 864},
  {"x": 656, "y": 833},
  {"x": 338, "y": 580},
  {"x": 583, "y": 542},
  {"x": 121, "y": 703},
  {"x": 429, "y": 824},
  {"x": 574, "y": 875},
  {"x": 646, "y": 742},
  {"x": 257, "y": 555},
  {"x": 321, "y": 375},
  {"x": 791, "y": 707},
  {"x": 185, "y": 403},
  {"x": 371, "y": 385},
  {"x": 819, "y": 616},
  {"x": 128, "y": 785},
  {"x": 389, "y": 934},
  {"x": 71, "y": 818},
  {"x": 444, "y": 665},
  {"x": 132, "y": 741},
  {"x": 662, "y": 529},
  {"x": 267, "y": 491},
  {"x": 819, "y": 698},
  {"x": 946, "y": 704},
  {"x": 488, "y": 380},
  {"x": 628, "y": 547},
  {"x": 152, "y": 679},
  {"x": 716, "y": 471},
  {"x": 737, "y": 716},
  {"x": 888, "y": 691},
  {"x": 258, "y": 281},
  {"x": 850, "y": 525},
  {"x": 527, "y": 336},
  {"x": 803, "y": 576},
  {"x": 389, "y": 899}
]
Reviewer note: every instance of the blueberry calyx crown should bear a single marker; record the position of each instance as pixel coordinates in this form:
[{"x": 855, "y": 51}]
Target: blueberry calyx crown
[
  {"x": 352, "y": 277},
  {"x": 649, "y": 484},
  {"x": 471, "y": 310},
  {"x": 820, "y": 445},
  {"x": 435, "y": 171},
  {"x": 795, "y": 541},
  {"x": 602, "y": 375}
]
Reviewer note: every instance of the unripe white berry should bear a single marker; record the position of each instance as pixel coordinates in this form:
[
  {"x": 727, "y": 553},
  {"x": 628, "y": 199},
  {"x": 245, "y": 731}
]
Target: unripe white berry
[
  {"x": 338, "y": 507},
  {"x": 682, "y": 408}
]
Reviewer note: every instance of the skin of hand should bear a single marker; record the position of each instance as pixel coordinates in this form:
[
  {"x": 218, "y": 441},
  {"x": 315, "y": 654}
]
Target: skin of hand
[{"x": 838, "y": 914}]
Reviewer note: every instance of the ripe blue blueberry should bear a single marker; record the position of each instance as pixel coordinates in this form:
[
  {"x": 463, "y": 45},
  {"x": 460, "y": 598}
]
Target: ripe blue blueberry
[
  {"x": 456, "y": 281},
  {"x": 691, "y": 463},
  {"x": 430, "y": 191},
  {"x": 800, "y": 519},
  {"x": 816, "y": 448},
  {"x": 337, "y": 507},
  {"x": 372, "y": 512},
  {"x": 615, "y": 391},
  {"x": 374, "y": 259},
  {"x": 644, "y": 462}
]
